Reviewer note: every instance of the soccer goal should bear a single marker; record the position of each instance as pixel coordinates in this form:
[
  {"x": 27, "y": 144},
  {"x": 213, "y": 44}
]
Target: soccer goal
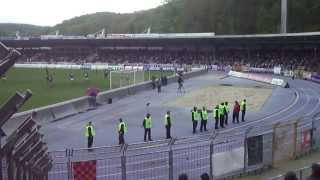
[{"x": 125, "y": 78}]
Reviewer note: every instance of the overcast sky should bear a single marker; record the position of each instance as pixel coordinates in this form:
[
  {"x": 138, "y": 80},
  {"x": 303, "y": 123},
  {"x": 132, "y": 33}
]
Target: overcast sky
[{"x": 51, "y": 12}]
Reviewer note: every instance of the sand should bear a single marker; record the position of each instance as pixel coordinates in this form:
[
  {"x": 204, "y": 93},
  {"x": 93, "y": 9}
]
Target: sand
[{"x": 212, "y": 95}]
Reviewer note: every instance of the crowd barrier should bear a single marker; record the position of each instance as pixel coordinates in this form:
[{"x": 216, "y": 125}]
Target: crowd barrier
[
  {"x": 71, "y": 107},
  {"x": 315, "y": 78},
  {"x": 220, "y": 155},
  {"x": 258, "y": 77}
]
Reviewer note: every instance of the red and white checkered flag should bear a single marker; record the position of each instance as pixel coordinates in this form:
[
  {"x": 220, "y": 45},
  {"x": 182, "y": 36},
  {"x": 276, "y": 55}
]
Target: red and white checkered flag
[{"x": 86, "y": 170}]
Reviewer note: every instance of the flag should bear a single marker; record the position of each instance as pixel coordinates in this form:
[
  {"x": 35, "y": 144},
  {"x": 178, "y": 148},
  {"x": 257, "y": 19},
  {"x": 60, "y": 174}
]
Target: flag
[{"x": 85, "y": 170}]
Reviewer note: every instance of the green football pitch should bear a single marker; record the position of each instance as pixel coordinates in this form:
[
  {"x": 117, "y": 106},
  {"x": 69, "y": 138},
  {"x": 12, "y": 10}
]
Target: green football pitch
[{"x": 19, "y": 79}]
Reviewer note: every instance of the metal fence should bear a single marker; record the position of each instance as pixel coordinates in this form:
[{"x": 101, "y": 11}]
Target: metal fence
[
  {"x": 302, "y": 174},
  {"x": 220, "y": 155}
]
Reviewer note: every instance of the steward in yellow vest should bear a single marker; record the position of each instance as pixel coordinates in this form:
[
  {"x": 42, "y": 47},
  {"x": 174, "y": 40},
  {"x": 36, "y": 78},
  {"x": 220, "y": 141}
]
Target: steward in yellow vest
[
  {"x": 195, "y": 115},
  {"x": 221, "y": 115},
  {"x": 216, "y": 116},
  {"x": 204, "y": 119},
  {"x": 147, "y": 124},
  {"x": 89, "y": 133},
  {"x": 243, "y": 107},
  {"x": 122, "y": 129}
]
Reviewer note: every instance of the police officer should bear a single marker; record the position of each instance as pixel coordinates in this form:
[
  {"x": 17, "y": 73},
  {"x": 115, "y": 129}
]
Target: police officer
[
  {"x": 243, "y": 107},
  {"x": 147, "y": 124},
  {"x": 90, "y": 133},
  {"x": 204, "y": 119},
  {"x": 216, "y": 116},
  {"x": 221, "y": 114},
  {"x": 167, "y": 124},
  {"x": 122, "y": 129},
  {"x": 226, "y": 112},
  {"x": 195, "y": 119}
]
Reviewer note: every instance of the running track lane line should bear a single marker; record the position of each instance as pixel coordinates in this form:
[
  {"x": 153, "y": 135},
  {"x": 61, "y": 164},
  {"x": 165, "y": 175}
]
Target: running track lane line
[{"x": 267, "y": 117}]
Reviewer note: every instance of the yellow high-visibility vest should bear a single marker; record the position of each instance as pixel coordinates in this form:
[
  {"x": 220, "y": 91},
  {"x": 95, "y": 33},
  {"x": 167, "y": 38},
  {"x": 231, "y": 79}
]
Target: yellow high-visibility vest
[{"x": 87, "y": 130}]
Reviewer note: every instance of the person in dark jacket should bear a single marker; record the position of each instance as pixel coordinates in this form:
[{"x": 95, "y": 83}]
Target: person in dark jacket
[
  {"x": 236, "y": 111},
  {"x": 167, "y": 124},
  {"x": 159, "y": 85},
  {"x": 183, "y": 177},
  {"x": 315, "y": 172},
  {"x": 290, "y": 176},
  {"x": 205, "y": 176}
]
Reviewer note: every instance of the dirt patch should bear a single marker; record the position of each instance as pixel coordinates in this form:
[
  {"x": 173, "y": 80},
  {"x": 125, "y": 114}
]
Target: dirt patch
[{"x": 212, "y": 95}]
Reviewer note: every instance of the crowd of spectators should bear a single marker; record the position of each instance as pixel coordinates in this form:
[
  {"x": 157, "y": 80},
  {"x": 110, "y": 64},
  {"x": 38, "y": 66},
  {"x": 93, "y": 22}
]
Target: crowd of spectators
[
  {"x": 261, "y": 58},
  {"x": 315, "y": 174}
]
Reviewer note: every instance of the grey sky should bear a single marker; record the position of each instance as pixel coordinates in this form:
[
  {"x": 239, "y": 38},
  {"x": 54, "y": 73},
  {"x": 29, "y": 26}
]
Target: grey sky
[{"x": 51, "y": 12}]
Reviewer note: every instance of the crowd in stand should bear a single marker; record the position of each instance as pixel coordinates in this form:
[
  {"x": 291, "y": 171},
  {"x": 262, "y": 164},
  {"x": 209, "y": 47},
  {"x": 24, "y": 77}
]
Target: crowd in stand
[
  {"x": 315, "y": 174},
  {"x": 261, "y": 58}
]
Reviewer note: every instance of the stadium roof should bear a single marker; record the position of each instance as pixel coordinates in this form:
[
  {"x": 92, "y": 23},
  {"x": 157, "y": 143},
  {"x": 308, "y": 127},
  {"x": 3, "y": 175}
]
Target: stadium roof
[{"x": 312, "y": 38}]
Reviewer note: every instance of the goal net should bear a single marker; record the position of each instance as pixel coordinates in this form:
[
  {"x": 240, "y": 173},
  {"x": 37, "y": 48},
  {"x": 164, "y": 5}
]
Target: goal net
[{"x": 125, "y": 78}]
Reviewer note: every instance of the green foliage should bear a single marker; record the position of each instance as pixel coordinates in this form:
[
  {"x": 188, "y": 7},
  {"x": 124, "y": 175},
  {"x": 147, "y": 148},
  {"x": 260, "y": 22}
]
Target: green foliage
[
  {"x": 8, "y": 29},
  {"x": 183, "y": 16}
]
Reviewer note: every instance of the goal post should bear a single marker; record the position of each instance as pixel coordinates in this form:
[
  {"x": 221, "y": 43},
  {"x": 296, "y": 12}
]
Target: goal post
[{"x": 123, "y": 78}]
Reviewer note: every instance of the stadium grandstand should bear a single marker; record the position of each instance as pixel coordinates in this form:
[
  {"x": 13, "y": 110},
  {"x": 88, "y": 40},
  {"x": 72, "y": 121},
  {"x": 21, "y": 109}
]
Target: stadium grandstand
[
  {"x": 288, "y": 51},
  {"x": 282, "y": 126}
]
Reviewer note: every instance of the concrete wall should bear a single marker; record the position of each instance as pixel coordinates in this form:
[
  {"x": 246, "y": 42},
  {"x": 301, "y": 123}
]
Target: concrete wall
[{"x": 68, "y": 108}]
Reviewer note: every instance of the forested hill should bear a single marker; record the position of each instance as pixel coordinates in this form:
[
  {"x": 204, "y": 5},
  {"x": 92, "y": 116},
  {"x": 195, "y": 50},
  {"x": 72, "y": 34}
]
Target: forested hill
[
  {"x": 220, "y": 16},
  {"x": 10, "y": 29}
]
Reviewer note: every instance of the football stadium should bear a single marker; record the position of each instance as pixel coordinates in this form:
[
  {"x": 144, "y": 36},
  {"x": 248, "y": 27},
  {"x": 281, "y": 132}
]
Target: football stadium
[{"x": 165, "y": 105}]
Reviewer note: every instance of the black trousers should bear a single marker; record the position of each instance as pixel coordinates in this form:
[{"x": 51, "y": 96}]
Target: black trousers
[
  {"x": 90, "y": 141},
  {"x": 121, "y": 138},
  {"x": 226, "y": 117},
  {"x": 147, "y": 133},
  {"x": 168, "y": 132},
  {"x": 203, "y": 125},
  {"x": 243, "y": 115},
  {"x": 235, "y": 117},
  {"x": 217, "y": 123},
  {"x": 222, "y": 121},
  {"x": 194, "y": 124}
]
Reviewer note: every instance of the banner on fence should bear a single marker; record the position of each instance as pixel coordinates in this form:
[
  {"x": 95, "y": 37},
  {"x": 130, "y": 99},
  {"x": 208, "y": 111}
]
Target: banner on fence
[
  {"x": 315, "y": 78},
  {"x": 305, "y": 141},
  {"x": 284, "y": 147},
  {"x": 255, "y": 150},
  {"x": 85, "y": 170},
  {"x": 226, "y": 162}
]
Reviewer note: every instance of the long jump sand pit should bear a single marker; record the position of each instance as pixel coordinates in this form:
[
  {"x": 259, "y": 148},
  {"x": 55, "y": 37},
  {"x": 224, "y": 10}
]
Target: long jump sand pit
[{"x": 212, "y": 95}]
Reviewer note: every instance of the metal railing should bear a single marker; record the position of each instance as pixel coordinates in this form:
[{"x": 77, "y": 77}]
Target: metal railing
[
  {"x": 302, "y": 173},
  {"x": 220, "y": 155}
]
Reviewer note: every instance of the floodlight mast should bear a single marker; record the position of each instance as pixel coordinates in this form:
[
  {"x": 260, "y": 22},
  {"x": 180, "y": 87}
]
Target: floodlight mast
[{"x": 284, "y": 13}]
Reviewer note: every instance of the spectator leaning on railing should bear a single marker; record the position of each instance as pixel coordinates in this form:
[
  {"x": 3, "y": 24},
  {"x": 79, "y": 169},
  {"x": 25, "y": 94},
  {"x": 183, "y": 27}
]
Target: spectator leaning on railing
[
  {"x": 315, "y": 172},
  {"x": 290, "y": 176}
]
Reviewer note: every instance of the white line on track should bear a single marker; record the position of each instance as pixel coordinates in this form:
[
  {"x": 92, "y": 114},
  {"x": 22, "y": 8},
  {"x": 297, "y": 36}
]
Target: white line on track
[{"x": 267, "y": 117}]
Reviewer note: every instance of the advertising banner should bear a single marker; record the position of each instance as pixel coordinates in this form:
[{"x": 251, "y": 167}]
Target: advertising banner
[
  {"x": 277, "y": 70},
  {"x": 255, "y": 150},
  {"x": 315, "y": 78},
  {"x": 226, "y": 162}
]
